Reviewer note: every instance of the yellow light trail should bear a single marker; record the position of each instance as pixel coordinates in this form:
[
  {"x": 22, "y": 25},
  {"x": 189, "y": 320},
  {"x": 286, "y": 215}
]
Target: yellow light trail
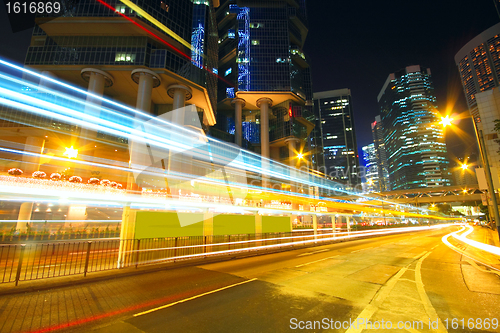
[{"x": 155, "y": 22}]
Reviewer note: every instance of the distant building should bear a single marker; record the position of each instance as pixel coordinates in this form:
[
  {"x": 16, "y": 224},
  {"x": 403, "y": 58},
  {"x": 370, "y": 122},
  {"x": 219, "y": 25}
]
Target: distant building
[
  {"x": 464, "y": 177},
  {"x": 339, "y": 139},
  {"x": 371, "y": 173},
  {"x": 413, "y": 138},
  {"x": 479, "y": 65},
  {"x": 381, "y": 155}
]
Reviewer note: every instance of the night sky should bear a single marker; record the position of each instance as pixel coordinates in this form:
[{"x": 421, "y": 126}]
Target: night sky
[{"x": 357, "y": 44}]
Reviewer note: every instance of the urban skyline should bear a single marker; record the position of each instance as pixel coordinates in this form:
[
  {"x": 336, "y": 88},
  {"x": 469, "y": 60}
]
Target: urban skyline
[
  {"x": 171, "y": 165},
  {"x": 353, "y": 66}
]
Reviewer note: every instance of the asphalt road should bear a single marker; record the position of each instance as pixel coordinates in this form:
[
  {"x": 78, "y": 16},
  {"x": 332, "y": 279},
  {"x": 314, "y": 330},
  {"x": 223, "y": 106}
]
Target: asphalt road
[{"x": 412, "y": 280}]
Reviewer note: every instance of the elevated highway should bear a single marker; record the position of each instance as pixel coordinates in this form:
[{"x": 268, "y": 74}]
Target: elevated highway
[{"x": 416, "y": 197}]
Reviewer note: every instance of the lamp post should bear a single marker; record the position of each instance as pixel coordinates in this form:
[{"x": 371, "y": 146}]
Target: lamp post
[{"x": 486, "y": 165}]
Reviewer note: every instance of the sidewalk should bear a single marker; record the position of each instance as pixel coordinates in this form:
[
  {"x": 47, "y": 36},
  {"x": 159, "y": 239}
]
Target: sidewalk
[{"x": 485, "y": 235}]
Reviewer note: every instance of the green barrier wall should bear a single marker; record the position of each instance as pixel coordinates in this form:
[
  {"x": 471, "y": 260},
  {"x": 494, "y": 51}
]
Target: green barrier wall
[
  {"x": 234, "y": 224},
  {"x": 166, "y": 224},
  {"x": 276, "y": 224}
]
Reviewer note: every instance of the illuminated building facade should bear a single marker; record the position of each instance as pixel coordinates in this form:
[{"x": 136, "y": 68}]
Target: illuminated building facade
[
  {"x": 413, "y": 138},
  {"x": 381, "y": 155},
  {"x": 371, "y": 182},
  {"x": 339, "y": 138},
  {"x": 265, "y": 94},
  {"x": 145, "y": 54},
  {"x": 111, "y": 50},
  {"x": 479, "y": 65}
]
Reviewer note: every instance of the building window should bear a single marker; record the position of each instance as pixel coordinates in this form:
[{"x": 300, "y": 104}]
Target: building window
[{"x": 125, "y": 57}]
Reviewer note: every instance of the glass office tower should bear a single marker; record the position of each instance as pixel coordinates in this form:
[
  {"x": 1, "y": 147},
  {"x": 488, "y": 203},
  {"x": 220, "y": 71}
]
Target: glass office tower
[
  {"x": 413, "y": 138},
  {"x": 478, "y": 63},
  {"x": 261, "y": 61},
  {"x": 339, "y": 138},
  {"x": 381, "y": 155},
  {"x": 371, "y": 178}
]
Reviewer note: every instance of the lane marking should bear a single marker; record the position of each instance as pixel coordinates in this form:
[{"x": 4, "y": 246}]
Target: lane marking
[
  {"x": 429, "y": 309},
  {"x": 193, "y": 297},
  {"x": 309, "y": 253},
  {"x": 312, "y": 262},
  {"x": 383, "y": 293},
  {"x": 371, "y": 247},
  {"x": 419, "y": 255}
]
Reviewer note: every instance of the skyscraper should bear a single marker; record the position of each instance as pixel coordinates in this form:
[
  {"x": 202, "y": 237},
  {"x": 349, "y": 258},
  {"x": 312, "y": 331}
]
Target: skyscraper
[
  {"x": 265, "y": 97},
  {"x": 413, "y": 138},
  {"x": 371, "y": 169},
  {"x": 478, "y": 63},
  {"x": 381, "y": 155},
  {"x": 339, "y": 138},
  {"x": 479, "y": 67}
]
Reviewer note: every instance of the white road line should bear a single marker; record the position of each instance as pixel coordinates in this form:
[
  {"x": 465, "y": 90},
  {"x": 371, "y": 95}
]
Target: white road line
[
  {"x": 419, "y": 255},
  {"x": 309, "y": 253},
  {"x": 312, "y": 262},
  {"x": 384, "y": 292},
  {"x": 362, "y": 249},
  {"x": 191, "y": 298},
  {"x": 429, "y": 309}
]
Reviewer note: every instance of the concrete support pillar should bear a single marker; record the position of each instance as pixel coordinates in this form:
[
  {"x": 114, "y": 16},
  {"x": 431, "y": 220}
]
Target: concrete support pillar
[
  {"x": 258, "y": 228},
  {"x": 24, "y": 216},
  {"x": 238, "y": 103},
  {"x": 146, "y": 80},
  {"x": 264, "y": 104},
  {"x": 258, "y": 224},
  {"x": 127, "y": 236},
  {"x": 315, "y": 225},
  {"x": 180, "y": 94},
  {"x": 97, "y": 81},
  {"x": 208, "y": 224},
  {"x": 292, "y": 158}
]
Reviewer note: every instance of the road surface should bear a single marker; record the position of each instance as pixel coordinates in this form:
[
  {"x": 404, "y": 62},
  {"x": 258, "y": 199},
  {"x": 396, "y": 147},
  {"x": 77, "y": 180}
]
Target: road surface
[{"x": 410, "y": 280}]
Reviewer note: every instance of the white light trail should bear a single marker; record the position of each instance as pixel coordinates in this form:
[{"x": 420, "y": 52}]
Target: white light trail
[{"x": 290, "y": 244}]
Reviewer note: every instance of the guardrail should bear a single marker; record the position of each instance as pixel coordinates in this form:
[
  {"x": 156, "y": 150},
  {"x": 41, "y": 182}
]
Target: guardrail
[{"x": 32, "y": 261}]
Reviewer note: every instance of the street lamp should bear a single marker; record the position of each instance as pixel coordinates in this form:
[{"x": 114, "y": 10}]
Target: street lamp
[
  {"x": 71, "y": 152},
  {"x": 465, "y": 166},
  {"x": 445, "y": 121}
]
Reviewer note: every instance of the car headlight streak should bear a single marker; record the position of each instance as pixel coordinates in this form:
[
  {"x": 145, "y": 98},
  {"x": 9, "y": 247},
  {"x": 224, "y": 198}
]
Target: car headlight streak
[{"x": 163, "y": 134}]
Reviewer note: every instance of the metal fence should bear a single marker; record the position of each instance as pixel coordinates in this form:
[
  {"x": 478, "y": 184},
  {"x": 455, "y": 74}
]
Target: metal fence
[{"x": 31, "y": 261}]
